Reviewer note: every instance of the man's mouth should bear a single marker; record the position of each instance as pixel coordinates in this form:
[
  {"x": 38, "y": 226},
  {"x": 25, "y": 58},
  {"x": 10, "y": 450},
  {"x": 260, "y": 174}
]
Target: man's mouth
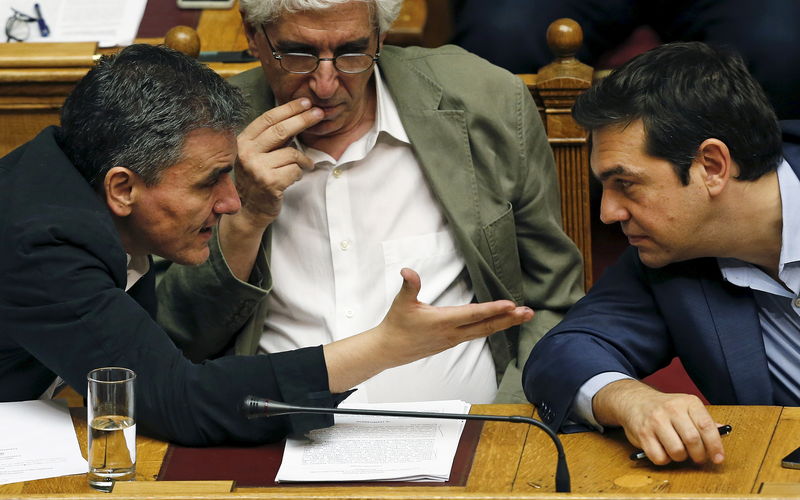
[{"x": 634, "y": 239}]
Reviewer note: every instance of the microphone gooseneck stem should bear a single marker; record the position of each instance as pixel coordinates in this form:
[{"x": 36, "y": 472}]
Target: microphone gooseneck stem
[{"x": 254, "y": 407}]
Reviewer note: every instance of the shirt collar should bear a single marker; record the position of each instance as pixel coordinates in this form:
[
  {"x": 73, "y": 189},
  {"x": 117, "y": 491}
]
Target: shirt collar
[
  {"x": 387, "y": 120},
  {"x": 137, "y": 267},
  {"x": 387, "y": 117},
  {"x": 744, "y": 274}
]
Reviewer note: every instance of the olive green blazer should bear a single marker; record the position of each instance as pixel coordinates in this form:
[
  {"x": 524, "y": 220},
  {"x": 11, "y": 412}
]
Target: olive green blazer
[{"x": 481, "y": 144}]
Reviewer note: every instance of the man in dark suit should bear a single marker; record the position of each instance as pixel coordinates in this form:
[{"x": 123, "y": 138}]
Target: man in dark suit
[
  {"x": 141, "y": 165},
  {"x": 689, "y": 154}
]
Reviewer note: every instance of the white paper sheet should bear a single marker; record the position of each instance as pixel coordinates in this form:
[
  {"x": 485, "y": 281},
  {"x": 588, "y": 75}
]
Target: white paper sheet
[
  {"x": 364, "y": 448},
  {"x": 109, "y": 22},
  {"x": 38, "y": 440}
]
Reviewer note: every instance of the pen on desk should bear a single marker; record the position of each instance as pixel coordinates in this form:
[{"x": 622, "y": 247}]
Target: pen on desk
[
  {"x": 724, "y": 430},
  {"x": 43, "y": 29}
]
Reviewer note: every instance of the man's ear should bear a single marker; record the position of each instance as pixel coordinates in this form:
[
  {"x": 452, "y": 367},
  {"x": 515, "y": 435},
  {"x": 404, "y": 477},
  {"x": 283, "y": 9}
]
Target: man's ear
[
  {"x": 120, "y": 186},
  {"x": 250, "y": 32},
  {"x": 717, "y": 167}
]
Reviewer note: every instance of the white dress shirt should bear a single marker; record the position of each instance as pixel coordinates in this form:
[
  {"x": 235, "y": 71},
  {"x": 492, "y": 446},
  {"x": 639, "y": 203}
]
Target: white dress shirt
[{"x": 345, "y": 231}]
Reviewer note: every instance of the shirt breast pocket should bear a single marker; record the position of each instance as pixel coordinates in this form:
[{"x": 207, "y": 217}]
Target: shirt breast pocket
[{"x": 438, "y": 262}]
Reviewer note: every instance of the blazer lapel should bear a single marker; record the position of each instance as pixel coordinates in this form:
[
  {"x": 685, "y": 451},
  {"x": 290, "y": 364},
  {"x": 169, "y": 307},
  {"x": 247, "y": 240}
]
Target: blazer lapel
[
  {"x": 735, "y": 319},
  {"x": 440, "y": 139}
]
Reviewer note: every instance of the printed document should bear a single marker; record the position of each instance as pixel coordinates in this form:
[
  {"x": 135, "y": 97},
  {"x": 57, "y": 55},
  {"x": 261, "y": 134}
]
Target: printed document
[
  {"x": 371, "y": 448},
  {"x": 108, "y": 22},
  {"x": 37, "y": 441}
]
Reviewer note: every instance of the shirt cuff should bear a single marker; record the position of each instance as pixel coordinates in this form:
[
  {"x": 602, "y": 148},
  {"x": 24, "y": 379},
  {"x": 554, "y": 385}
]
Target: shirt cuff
[{"x": 582, "y": 406}]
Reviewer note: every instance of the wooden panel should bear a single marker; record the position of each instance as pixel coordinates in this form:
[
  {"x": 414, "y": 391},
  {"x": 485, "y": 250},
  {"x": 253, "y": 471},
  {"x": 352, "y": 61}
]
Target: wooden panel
[
  {"x": 600, "y": 463},
  {"x": 19, "y": 126},
  {"x": 555, "y": 89},
  {"x": 786, "y": 439},
  {"x": 38, "y": 55}
]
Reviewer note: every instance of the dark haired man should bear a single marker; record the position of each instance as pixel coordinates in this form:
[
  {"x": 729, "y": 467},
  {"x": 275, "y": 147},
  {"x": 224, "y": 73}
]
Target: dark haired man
[
  {"x": 141, "y": 165},
  {"x": 689, "y": 154}
]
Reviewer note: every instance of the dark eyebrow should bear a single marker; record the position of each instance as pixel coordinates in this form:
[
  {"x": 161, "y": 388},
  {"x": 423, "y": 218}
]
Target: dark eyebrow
[
  {"x": 215, "y": 174},
  {"x": 358, "y": 45},
  {"x": 618, "y": 170},
  {"x": 289, "y": 46}
]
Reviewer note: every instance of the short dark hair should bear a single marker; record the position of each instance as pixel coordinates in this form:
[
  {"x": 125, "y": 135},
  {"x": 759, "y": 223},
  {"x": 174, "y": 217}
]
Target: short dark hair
[
  {"x": 135, "y": 109},
  {"x": 685, "y": 93}
]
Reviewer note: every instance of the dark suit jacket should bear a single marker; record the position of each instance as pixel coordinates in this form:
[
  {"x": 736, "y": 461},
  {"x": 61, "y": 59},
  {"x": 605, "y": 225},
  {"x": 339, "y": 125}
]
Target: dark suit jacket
[
  {"x": 636, "y": 319},
  {"x": 64, "y": 310}
]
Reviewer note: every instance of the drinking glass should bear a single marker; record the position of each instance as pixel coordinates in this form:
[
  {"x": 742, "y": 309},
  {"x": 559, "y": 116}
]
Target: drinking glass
[{"x": 111, "y": 427}]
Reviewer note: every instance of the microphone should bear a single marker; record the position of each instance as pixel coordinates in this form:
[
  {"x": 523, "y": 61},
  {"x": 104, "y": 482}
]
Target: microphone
[{"x": 254, "y": 407}]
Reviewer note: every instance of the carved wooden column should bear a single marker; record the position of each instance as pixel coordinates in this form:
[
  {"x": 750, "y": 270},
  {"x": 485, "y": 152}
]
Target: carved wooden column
[{"x": 555, "y": 89}]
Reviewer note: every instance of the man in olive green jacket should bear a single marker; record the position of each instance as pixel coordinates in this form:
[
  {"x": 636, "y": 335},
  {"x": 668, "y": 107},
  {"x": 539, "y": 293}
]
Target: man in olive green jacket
[{"x": 479, "y": 141}]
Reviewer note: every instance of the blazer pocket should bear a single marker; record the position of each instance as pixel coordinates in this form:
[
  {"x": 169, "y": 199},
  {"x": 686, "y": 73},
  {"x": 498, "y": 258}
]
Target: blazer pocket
[{"x": 501, "y": 237}]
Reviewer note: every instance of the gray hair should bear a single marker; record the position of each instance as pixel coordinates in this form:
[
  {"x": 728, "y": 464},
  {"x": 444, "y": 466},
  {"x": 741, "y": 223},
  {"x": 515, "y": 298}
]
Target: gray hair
[
  {"x": 136, "y": 108},
  {"x": 258, "y": 12}
]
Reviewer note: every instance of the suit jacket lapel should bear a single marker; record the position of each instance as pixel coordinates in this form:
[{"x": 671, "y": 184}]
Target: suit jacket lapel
[
  {"x": 440, "y": 140},
  {"x": 735, "y": 319}
]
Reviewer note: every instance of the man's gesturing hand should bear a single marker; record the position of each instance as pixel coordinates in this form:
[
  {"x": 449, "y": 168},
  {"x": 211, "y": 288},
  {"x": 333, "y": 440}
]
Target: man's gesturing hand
[
  {"x": 264, "y": 169},
  {"x": 412, "y": 330},
  {"x": 266, "y": 165},
  {"x": 416, "y": 330},
  {"x": 667, "y": 427}
]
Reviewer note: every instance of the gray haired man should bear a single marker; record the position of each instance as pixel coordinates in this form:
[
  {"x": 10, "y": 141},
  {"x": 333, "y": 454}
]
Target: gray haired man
[{"x": 362, "y": 159}]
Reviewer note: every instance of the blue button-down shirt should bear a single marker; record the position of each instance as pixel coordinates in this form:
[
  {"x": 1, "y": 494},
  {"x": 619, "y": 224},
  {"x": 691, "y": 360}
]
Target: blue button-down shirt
[{"x": 778, "y": 304}]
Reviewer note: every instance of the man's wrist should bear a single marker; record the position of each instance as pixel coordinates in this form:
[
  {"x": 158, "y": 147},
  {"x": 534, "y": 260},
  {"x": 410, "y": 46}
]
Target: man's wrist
[
  {"x": 608, "y": 405},
  {"x": 245, "y": 223}
]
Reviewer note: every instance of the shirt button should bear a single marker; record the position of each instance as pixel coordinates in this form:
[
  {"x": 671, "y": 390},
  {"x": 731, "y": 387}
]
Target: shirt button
[
  {"x": 349, "y": 313},
  {"x": 344, "y": 244},
  {"x": 797, "y": 302},
  {"x": 337, "y": 172}
]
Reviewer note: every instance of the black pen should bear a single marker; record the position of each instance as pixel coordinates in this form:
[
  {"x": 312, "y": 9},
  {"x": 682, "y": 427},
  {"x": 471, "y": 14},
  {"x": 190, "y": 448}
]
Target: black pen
[
  {"x": 724, "y": 430},
  {"x": 43, "y": 29}
]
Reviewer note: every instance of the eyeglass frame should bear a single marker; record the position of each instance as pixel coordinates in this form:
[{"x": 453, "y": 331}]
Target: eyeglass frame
[
  {"x": 278, "y": 56},
  {"x": 21, "y": 17}
]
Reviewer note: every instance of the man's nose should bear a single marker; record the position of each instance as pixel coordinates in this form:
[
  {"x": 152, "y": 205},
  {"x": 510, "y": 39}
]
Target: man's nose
[
  {"x": 611, "y": 209},
  {"x": 228, "y": 201},
  {"x": 325, "y": 80}
]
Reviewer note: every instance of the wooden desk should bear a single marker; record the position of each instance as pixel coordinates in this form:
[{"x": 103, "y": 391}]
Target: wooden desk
[
  {"x": 493, "y": 470},
  {"x": 515, "y": 461}
]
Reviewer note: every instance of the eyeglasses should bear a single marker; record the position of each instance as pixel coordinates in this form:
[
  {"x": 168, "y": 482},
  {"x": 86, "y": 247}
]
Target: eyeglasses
[
  {"x": 301, "y": 63},
  {"x": 18, "y": 25},
  {"x": 17, "y": 29}
]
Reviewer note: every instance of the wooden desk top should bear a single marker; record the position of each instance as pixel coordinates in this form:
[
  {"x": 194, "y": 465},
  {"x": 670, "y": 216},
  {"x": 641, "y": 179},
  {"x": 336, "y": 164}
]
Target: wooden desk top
[{"x": 516, "y": 461}]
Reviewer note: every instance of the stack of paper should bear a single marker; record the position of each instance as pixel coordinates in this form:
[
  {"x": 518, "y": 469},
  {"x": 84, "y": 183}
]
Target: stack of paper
[
  {"x": 108, "y": 22},
  {"x": 367, "y": 448},
  {"x": 37, "y": 441}
]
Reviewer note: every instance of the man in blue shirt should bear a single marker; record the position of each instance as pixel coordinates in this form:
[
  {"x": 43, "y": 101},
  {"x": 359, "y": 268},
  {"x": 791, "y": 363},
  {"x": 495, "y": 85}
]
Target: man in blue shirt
[{"x": 689, "y": 154}]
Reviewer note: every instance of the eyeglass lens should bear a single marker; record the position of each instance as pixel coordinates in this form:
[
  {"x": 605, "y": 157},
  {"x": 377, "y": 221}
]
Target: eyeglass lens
[
  {"x": 18, "y": 27},
  {"x": 307, "y": 63}
]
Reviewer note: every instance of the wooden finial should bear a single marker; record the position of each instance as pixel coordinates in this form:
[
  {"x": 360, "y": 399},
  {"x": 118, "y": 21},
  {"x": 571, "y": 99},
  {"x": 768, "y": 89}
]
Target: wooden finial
[
  {"x": 564, "y": 37},
  {"x": 183, "y": 39}
]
